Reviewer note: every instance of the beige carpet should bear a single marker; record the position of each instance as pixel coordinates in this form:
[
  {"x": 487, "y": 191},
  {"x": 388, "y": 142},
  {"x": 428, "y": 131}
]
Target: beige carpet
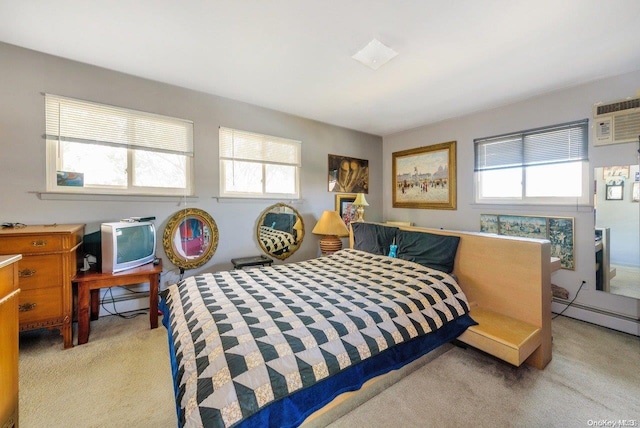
[
  {"x": 594, "y": 376},
  {"x": 121, "y": 378}
]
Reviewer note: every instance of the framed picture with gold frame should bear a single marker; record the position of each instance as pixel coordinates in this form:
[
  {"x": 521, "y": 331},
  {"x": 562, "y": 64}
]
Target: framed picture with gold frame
[
  {"x": 425, "y": 177},
  {"x": 345, "y": 207}
]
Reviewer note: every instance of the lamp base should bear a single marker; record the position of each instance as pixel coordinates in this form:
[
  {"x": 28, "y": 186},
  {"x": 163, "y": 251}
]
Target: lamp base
[
  {"x": 329, "y": 244},
  {"x": 359, "y": 214}
]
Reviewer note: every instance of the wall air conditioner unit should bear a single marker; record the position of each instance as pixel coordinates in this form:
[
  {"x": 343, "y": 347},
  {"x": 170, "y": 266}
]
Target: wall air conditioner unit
[{"x": 616, "y": 122}]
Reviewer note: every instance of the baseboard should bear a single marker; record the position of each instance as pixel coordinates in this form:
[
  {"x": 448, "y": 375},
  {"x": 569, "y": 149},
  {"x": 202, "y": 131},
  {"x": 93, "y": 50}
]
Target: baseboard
[
  {"x": 124, "y": 303},
  {"x": 591, "y": 315}
]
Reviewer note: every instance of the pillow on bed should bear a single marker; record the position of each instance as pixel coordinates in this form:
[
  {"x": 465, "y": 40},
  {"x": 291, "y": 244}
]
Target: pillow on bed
[
  {"x": 428, "y": 249},
  {"x": 373, "y": 238}
]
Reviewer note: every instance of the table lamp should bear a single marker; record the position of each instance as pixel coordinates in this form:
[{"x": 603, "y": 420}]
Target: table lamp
[
  {"x": 360, "y": 202},
  {"x": 331, "y": 227}
]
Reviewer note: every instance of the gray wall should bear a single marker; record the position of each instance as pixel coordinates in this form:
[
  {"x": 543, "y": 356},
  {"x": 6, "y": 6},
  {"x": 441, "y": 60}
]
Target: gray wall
[
  {"x": 27, "y": 74},
  {"x": 553, "y": 108}
]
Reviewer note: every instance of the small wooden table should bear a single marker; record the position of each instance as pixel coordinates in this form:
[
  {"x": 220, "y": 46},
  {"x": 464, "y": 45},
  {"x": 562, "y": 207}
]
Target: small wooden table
[
  {"x": 243, "y": 262},
  {"x": 89, "y": 284}
]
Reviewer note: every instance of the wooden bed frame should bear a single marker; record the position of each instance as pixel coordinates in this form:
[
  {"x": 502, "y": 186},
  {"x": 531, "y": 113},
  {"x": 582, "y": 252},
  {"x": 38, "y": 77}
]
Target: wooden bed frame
[{"x": 507, "y": 281}]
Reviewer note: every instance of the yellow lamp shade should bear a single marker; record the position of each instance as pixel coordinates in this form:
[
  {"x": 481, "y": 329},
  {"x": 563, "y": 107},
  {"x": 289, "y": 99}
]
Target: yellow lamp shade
[
  {"x": 360, "y": 200},
  {"x": 330, "y": 223},
  {"x": 331, "y": 226}
]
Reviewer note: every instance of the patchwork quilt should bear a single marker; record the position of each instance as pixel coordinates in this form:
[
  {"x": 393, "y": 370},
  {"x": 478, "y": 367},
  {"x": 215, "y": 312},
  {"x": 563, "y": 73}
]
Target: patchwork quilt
[
  {"x": 276, "y": 240},
  {"x": 243, "y": 339}
]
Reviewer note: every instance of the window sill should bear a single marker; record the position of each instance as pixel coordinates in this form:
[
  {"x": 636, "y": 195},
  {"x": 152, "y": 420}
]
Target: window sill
[
  {"x": 233, "y": 199},
  {"x": 58, "y": 196},
  {"x": 533, "y": 207}
]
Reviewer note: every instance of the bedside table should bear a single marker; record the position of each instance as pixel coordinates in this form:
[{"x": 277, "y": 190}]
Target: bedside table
[{"x": 243, "y": 262}]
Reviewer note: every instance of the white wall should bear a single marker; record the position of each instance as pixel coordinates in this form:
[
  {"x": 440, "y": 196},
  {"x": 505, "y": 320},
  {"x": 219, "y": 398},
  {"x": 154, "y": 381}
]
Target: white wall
[
  {"x": 26, "y": 74},
  {"x": 553, "y": 108}
]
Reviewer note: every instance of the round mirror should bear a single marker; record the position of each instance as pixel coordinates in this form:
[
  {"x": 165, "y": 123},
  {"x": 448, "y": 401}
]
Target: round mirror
[
  {"x": 280, "y": 231},
  {"x": 190, "y": 238}
]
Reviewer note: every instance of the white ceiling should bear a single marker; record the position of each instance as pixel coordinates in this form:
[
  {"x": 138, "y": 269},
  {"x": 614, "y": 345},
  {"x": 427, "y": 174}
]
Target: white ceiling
[{"x": 455, "y": 57}]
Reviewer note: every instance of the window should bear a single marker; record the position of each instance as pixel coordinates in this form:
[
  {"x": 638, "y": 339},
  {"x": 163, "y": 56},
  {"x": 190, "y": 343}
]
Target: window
[
  {"x": 540, "y": 166},
  {"x": 96, "y": 148},
  {"x": 258, "y": 166}
]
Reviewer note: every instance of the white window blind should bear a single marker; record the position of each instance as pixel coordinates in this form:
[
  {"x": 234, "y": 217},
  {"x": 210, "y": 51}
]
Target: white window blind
[
  {"x": 543, "y": 146},
  {"x": 114, "y": 150},
  {"x": 538, "y": 166},
  {"x": 258, "y": 165},
  {"x": 86, "y": 122}
]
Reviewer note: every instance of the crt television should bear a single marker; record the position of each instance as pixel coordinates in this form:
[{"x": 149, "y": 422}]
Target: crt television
[{"x": 127, "y": 245}]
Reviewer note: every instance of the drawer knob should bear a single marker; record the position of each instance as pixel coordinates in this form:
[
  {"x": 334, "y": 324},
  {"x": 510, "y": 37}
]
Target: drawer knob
[
  {"x": 39, "y": 243},
  {"x": 26, "y": 273},
  {"x": 25, "y": 307}
]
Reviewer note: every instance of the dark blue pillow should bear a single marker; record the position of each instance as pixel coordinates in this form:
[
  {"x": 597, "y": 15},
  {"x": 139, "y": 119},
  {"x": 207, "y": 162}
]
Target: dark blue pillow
[
  {"x": 428, "y": 249},
  {"x": 373, "y": 238},
  {"x": 280, "y": 221}
]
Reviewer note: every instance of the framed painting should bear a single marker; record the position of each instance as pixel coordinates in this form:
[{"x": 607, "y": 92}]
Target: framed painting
[
  {"x": 615, "y": 171},
  {"x": 425, "y": 177},
  {"x": 345, "y": 207},
  {"x": 558, "y": 230},
  {"x": 489, "y": 223},
  {"x": 561, "y": 236},
  {"x": 348, "y": 175},
  {"x": 524, "y": 226},
  {"x": 614, "y": 192}
]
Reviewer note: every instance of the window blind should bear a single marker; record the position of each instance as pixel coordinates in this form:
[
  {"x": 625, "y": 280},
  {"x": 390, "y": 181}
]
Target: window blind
[
  {"x": 80, "y": 121},
  {"x": 252, "y": 147},
  {"x": 542, "y": 146}
]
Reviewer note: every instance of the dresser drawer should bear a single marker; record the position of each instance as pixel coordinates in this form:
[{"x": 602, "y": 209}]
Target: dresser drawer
[
  {"x": 31, "y": 244},
  {"x": 41, "y": 304},
  {"x": 8, "y": 282},
  {"x": 40, "y": 271}
]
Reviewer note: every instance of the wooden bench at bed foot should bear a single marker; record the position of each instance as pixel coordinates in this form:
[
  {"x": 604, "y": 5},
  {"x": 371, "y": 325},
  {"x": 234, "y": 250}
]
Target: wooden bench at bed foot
[{"x": 503, "y": 337}]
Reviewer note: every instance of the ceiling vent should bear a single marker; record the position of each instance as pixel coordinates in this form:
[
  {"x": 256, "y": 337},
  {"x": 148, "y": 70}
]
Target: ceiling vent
[{"x": 616, "y": 122}]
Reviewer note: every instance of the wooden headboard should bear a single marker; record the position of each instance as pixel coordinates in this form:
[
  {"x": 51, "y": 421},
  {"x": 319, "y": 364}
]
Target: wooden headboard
[{"x": 507, "y": 275}]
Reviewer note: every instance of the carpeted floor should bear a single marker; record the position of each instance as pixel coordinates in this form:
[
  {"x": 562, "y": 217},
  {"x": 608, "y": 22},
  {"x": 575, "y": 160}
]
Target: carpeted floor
[{"x": 121, "y": 378}]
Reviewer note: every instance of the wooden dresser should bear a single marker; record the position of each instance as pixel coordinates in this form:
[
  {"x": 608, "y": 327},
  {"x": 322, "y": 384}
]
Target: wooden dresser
[
  {"x": 9, "y": 294},
  {"x": 49, "y": 263}
]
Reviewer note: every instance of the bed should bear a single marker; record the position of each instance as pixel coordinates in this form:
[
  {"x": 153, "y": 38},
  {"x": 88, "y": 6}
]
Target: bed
[
  {"x": 276, "y": 241},
  {"x": 273, "y": 345}
]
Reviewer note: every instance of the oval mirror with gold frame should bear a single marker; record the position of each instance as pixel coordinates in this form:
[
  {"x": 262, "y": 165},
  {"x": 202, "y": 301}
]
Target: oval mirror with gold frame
[
  {"x": 280, "y": 230},
  {"x": 190, "y": 238}
]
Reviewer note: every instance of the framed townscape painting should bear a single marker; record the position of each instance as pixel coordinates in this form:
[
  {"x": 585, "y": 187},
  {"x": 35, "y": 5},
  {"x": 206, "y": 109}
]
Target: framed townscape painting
[
  {"x": 348, "y": 175},
  {"x": 425, "y": 177},
  {"x": 345, "y": 207}
]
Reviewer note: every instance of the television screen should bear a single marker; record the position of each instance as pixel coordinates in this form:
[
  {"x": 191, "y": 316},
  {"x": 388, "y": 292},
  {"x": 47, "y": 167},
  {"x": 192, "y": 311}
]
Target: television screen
[
  {"x": 126, "y": 245},
  {"x": 134, "y": 243}
]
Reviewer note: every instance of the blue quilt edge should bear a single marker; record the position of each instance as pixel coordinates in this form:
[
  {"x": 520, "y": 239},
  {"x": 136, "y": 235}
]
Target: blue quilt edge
[
  {"x": 292, "y": 411},
  {"x": 166, "y": 321}
]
